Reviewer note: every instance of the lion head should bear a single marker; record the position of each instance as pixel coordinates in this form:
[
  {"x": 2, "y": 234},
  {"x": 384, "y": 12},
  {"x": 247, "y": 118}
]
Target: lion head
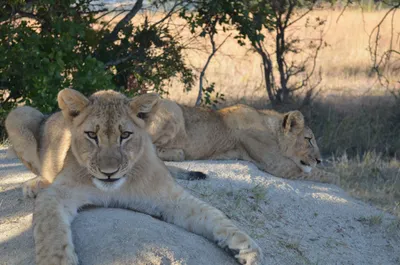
[
  {"x": 297, "y": 142},
  {"x": 163, "y": 118},
  {"x": 107, "y": 137}
]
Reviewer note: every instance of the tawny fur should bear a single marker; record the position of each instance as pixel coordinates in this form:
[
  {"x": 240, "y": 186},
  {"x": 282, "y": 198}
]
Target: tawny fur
[
  {"x": 277, "y": 143},
  {"x": 41, "y": 143},
  {"x": 142, "y": 181}
]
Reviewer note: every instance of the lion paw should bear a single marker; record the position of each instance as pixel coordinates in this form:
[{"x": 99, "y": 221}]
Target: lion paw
[
  {"x": 245, "y": 249},
  {"x": 180, "y": 155},
  {"x": 171, "y": 154},
  {"x": 31, "y": 188},
  {"x": 68, "y": 257}
]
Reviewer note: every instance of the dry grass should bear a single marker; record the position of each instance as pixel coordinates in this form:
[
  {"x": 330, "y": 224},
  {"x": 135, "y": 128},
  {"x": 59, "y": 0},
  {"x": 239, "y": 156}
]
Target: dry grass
[
  {"x": 344, "y": 63},
  {"x": 373, "y": 178}
]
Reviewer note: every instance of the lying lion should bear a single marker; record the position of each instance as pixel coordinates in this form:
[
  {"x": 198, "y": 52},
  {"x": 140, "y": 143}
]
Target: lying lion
[
  {"x": 279, "y": 144},
  {"x": 112, "y": 161}
]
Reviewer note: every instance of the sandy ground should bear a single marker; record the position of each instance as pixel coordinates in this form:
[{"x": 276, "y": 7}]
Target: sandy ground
[{"x": 294, "y": 222}]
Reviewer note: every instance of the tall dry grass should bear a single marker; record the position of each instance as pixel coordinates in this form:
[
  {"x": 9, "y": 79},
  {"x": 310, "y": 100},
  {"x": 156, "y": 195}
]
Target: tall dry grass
[
  {"x": 370, "y": 177},
  {"x": 345, "y": 63}
]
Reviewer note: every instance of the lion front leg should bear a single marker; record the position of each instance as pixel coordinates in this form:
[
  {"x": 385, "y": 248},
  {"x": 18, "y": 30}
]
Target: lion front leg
[
  {"x": 54, "y": 212},
  {"x": 198, "y": 217}
]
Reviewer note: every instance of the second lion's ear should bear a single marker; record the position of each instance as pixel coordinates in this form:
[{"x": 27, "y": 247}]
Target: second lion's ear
[
  {"x": 293, "y": 122},
  {"x": 71, "y": 103},
  {"x": 143, "y": 103}
]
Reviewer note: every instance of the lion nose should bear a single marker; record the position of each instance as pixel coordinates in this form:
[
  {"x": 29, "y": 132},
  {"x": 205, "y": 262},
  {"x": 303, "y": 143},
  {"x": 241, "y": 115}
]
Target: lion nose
[
  {"x": 318, "y": 160},
  {"x": 108, "y": 173}
]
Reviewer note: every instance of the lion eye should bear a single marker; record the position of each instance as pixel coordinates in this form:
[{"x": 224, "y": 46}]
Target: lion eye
[
  {"x": 125, "y": 135},
  {"x": 141, "y": 115},
  {"x": 91, "y": 135},
  {"x": 309, "y": 140}
]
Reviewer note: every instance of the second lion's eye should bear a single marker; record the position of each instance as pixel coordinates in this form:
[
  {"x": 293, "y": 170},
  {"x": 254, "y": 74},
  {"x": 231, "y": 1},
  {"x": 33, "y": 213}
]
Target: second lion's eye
[
  {"x": 125, "y": 135},
  {"x": 309, "y": 140},
  {"x": 141, "y": 115}
]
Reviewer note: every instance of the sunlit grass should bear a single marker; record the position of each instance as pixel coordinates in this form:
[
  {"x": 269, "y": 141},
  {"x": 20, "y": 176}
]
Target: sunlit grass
[{"x": 372, "y": 178}]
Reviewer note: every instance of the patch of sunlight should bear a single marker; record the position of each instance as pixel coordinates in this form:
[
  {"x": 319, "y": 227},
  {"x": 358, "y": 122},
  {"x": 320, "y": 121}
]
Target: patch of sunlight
[
  {"x": 325, "y": 189},
  {"x": 15, "y": 181},
  {"x": 153, "y": 254},
  {"x": 10, "y": 164},
  {"x": 9, "y": 230},
  {"x": 328, "y": 197}
]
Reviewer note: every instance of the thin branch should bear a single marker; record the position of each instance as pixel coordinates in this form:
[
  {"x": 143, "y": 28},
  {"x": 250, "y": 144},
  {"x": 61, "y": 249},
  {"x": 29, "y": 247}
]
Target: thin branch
[
  {"x": 28, "y": 15},
  {"x": 135, "y": 9},
  {"x": 344, "y": 9},
  {"x": 111, "y": 11},
  {"x": 305, "y": 81},
  {"x": 214, "y": 50},
  {"x": 222, "y": 43},
  {"x": 299, "y": 17},
  {"x": 289, "y": 14},
  {"x": 391, "y": 34},
  {"x": 268, "y": 70},
  {"x": 112, "y": 19},
  {"x": 172, "y": 10},
  {"x": 379, "y": 61}
]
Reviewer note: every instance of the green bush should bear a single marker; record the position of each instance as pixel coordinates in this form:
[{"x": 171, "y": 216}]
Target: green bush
[{"x": 48, "y": 45}]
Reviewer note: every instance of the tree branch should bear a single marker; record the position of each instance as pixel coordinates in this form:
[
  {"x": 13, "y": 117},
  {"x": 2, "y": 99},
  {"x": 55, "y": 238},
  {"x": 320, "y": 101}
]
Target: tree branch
[
  {"x": 135, "y": 9},
  {"x": 379, "y": 61},
  {"x": 299, "y": 17},
  {"x": 344, "y": 9},
  {"x": 172, "y": 10},
  {"x": 214, "y": 50}
]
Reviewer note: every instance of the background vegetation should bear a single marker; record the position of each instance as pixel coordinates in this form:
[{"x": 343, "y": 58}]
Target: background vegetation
[{"x": 336, "y": 61}]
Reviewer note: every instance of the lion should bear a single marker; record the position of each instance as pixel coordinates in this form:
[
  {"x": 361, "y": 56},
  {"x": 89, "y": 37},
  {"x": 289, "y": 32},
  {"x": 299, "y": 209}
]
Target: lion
[
  {"x": 41, "y": 142},
  {"x": 277, "y": 143},
  {"x": 112, "y": 162}
]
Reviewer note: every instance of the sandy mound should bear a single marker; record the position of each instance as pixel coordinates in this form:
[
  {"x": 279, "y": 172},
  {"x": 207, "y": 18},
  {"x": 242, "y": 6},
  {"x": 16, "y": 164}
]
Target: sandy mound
[{"x": 294, "y": 222}]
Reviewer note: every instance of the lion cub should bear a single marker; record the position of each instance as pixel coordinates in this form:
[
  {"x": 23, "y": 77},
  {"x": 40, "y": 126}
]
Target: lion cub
[
  {"x": 41, "y": 143},
  {"x": 278, "y": 143},
  {"x": 112, "y": 161}
]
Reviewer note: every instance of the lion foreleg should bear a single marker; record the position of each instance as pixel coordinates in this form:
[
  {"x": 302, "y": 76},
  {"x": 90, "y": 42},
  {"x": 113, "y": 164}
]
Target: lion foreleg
[
  {"x": 54, "y": 211},
  {"x": 198, "y": 217}
]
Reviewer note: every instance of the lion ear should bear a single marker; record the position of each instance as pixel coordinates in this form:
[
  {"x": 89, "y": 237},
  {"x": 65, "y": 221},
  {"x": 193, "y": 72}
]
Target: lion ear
[
  {"x": 293, "y": 122},
  {"x": 144, "y": 103},
  {"x": 71, "y": 103}
]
